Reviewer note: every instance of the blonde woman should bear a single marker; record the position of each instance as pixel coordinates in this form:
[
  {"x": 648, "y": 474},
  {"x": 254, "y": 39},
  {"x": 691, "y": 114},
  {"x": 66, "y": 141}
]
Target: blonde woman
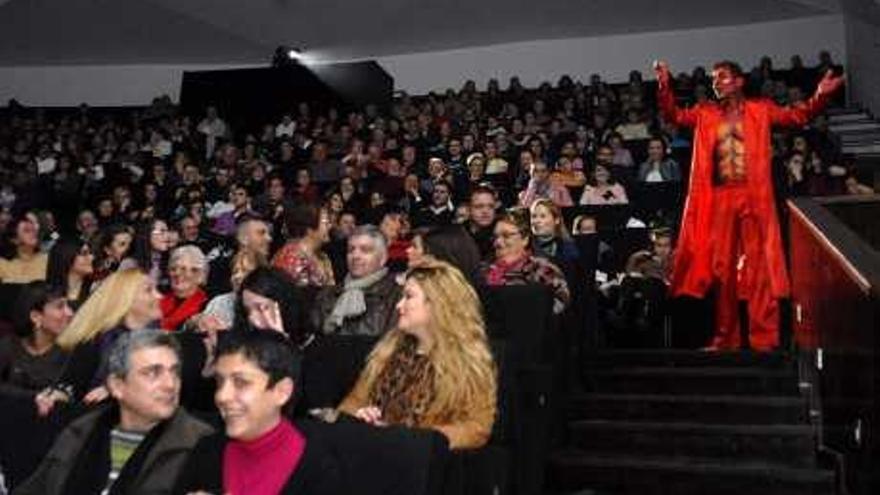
[
  {"x": 434, "y": 370},
  {"x": 126, "y": 300}
]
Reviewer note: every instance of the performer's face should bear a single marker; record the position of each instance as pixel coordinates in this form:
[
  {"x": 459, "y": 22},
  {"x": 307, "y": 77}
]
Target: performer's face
[{"x": 726, "y": 83}]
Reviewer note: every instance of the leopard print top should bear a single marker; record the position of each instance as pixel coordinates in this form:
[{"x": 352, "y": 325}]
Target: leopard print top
[{"x": 404, "y": 389}]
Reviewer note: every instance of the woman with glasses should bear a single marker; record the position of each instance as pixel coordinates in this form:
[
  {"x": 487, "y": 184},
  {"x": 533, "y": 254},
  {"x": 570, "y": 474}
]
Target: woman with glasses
[
  {"x": 150, "y": 251},
  {"x": 71, "y": 268},
  {"x": 515, "y": 264},
  {"x": 188, "y": 272}
]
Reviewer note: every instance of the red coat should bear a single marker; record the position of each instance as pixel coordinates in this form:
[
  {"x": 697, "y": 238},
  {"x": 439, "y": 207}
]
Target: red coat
[{"x": 692, "y": 263}]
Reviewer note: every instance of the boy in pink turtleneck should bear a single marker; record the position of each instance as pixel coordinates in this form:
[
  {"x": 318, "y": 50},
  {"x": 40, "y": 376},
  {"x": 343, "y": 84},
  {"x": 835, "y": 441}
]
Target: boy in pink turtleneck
[{"x": 262, "y": 452}]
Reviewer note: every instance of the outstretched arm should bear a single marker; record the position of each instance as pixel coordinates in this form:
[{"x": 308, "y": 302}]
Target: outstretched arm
[
  {"x": 666, "y": 97},
  {"x": 800, "y": 113}
]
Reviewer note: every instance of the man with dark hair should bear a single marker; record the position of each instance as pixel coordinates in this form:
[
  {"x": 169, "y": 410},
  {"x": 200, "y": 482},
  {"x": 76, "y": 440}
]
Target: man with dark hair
[
  {"x": 261, "y": 451},
  {"x": 440, "y": 211},
  {"x": 138, "y": 444},
  {"x": 481, "y": 225},
  {"x": 729, "y": 235}
]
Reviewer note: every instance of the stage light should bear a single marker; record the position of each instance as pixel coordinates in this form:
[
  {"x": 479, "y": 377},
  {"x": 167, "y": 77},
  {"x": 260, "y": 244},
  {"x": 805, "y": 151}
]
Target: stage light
[{"x": 286, "y": 56}]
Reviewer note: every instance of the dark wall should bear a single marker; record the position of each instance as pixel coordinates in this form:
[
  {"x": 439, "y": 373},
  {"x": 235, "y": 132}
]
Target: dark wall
[{"x": 248, "y": 98}]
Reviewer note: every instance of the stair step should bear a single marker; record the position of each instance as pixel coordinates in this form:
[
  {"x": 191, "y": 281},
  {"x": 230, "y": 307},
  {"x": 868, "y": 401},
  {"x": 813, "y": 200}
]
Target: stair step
[
  {"x": 687, "y": 358},
  {"x": 726, "y": 380},
  {"x": 848, "y": 116},
  {"x": 572, "y": 470},
  {"x": 871, "y": 149},
  {"x": 863, "y": 125},
  {"x": 739, "y": 409},
  {"x": 791, "y": 445}
]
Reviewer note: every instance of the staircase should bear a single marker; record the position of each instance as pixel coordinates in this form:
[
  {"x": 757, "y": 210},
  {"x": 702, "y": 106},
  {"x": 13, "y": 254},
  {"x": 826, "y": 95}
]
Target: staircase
[{"x": 689, "y": 422}]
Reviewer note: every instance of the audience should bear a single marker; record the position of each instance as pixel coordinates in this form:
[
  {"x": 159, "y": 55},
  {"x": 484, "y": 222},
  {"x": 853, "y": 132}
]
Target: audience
[
  {"x": 364, "y": 303},
  {"x": 515, "y": 264},
  {"x": 130, "y": 186},
  {"x": 188, "y": 270},
  {"x": 451, "y": 244},
  {"x": 260, "y": 450},
  {"x": 483, "y": 210},
  {"x": 152, "y": 243},
  {"x": 658, "y": 168},
  {"x": 433, "y": 369},
  {"x": 541, "y": 187},
  {"x": 551, "y": 238},
  {"x": 603, "y": 189},
  {"x": 268, "y": 300},
  {"x": 70, "y": 267},
  {"x": 30, "y": 360},
  {"x": 137, "y": 443},
  {"x": 24, "y": 262},
  {"x": 219, "y": 313},
  {"x": 113, "y": 245},
  {"x": 127, "y": 300},
  {"x": 308, "y": 228}
]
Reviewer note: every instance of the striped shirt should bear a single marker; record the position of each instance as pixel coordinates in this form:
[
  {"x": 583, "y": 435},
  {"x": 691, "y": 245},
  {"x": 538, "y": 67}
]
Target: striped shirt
[{"x": 123, "y": 445}]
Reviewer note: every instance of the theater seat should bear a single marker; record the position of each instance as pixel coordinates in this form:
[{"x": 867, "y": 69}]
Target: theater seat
[{"x": 388, "y": 460}]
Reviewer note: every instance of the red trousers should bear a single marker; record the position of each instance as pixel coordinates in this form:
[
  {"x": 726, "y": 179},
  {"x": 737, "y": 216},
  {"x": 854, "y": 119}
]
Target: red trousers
[{"x": 740, "y": 270}]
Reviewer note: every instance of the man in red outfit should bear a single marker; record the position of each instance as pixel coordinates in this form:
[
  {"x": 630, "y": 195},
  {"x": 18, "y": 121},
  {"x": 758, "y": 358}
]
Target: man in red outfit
[{"x": 729, "y": 235}]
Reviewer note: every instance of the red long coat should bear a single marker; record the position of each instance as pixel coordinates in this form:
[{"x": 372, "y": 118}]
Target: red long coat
[{"x": 692, "y": 263}]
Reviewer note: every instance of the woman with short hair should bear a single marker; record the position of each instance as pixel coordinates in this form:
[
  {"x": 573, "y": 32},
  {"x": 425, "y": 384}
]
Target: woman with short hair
[
  {"x": 515, "y": 264},
  {"x": 188, "y": 272}
]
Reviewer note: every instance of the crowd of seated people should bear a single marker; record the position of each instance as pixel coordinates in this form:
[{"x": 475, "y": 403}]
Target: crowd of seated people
[{"x": 387, "y": 225}]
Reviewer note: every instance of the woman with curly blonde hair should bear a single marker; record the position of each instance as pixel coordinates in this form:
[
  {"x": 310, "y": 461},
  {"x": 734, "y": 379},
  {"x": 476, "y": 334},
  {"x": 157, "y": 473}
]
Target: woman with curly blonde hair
[{"x": 434, "y": 370}]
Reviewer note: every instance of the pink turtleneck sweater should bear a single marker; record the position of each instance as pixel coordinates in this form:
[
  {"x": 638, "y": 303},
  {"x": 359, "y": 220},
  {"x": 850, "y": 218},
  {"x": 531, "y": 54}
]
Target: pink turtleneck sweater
[{"x": 262, "y": 466}]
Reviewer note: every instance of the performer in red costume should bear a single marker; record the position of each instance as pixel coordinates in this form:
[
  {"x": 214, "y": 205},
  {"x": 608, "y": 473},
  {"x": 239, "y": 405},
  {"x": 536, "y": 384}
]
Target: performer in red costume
[{"x": 729, "y": 235}]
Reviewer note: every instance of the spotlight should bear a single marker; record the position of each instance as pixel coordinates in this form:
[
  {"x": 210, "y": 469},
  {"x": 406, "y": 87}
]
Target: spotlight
[{"x": 286, "y": 56}]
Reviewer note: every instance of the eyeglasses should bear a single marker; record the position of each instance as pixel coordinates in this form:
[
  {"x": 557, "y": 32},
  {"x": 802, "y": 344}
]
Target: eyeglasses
[
  {"x": 508, "y": 235},
  {"x": 185, "y": 269}
]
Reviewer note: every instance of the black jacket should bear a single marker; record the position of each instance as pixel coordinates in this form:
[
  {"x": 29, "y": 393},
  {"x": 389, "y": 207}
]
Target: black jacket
[
  {"x": 79, "y": 461},
  {"x": 318, "y": 472}
]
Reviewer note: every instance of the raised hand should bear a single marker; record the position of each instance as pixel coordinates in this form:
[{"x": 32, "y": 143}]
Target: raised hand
[
  {"x": 661, "y": 70},
  {"x": 830, "y": 83}
]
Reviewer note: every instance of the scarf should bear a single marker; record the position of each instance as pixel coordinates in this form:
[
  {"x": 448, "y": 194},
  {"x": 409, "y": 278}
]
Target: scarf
[
  {"x": 546, "y": 245},
  {"x": 351, "y": 302},
  {"x": 264, "y": 465},
  {"x": 175, "y": 312},
  {"x": 497, "y": 273}
]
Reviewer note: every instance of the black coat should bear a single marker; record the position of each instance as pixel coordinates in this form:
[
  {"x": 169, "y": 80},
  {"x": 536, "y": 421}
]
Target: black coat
[{"x": 318, "y": 472}]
